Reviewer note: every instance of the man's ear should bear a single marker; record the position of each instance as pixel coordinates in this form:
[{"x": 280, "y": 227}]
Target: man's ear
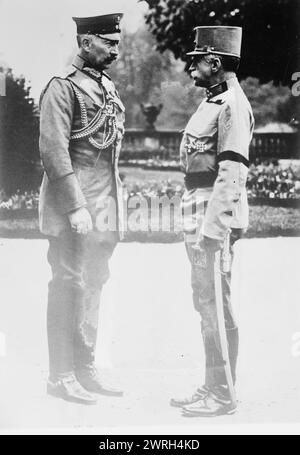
[
  {"x": 216, "y": 64},
  {"x": 86, "y": 43}
]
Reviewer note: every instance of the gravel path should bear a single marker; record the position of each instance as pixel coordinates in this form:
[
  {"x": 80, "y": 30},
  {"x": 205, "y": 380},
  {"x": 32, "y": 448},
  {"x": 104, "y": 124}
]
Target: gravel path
[{"x": 150, "y": 341}]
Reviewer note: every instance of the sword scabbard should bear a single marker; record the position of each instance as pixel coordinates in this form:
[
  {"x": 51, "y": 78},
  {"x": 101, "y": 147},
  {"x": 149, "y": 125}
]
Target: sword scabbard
[
  {"x": 221, "y": 325},
  {"x": 226, "y": 255}
]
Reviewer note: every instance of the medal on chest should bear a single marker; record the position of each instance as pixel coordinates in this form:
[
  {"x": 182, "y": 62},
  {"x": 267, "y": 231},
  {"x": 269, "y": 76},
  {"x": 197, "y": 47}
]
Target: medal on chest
[{"x": 194, "y": 145}]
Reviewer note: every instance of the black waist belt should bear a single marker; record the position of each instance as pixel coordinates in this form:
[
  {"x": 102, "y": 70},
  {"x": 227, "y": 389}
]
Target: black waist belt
[
  {"x": 207, "y": 178},
  {"x": 203, "y": 179}
]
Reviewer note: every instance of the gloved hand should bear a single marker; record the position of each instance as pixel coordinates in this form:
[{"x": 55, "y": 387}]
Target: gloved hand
[
  {"x": 81, "y": 221},
  {"x": 203, "y": 249}
]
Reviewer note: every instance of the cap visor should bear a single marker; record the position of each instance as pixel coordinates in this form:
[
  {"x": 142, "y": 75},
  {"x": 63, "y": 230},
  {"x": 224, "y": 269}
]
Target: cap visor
[
  {"x": 110, "y": 36},
  {"x": 213, "y": 52},
  {"x": 196, "y": 53}
]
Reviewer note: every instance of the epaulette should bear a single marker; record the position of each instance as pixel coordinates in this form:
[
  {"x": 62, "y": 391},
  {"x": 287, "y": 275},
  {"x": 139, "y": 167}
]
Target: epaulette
[
  {"x": 60, "y": 75},
  {"x": 65, "y": 73}
]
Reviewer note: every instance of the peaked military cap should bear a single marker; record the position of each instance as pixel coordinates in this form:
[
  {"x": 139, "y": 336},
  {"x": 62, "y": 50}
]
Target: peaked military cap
[
  {"x": 220, "y": 40},
  {"x": 102, "y": 25}
]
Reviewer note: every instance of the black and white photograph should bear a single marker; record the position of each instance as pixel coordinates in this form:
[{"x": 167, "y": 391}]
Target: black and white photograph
[{"x": 149, "y": 218}]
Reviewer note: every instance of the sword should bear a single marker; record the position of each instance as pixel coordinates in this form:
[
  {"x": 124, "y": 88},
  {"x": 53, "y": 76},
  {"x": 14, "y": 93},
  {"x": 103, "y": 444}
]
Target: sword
[{"x": 222, "y": 265}]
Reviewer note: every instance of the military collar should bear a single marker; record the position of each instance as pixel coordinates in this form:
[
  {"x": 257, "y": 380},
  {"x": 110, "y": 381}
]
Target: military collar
[
  {"x": 216, "y": 89},
  {"x": 84, "y": 81},
  {"x": 81, "y": 64},
  {"x": 219, "y": 89}
]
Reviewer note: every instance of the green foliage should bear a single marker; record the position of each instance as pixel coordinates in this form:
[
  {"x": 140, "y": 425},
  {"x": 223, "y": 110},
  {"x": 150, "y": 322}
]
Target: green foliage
[
  {"x": 144, "y": 75},
  {"x": 270, "y": 103},
  {"x": 19, "y": 135},
  {"x": 138, "y": 73},
  {"x": 270, "y": 45},
  {"x": 180, "y": 99}
]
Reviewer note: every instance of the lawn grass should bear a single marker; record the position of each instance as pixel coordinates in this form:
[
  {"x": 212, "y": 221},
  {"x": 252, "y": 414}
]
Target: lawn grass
[
  {"x": 268, "y": 221},
  {"x": 265, "y": 221}
]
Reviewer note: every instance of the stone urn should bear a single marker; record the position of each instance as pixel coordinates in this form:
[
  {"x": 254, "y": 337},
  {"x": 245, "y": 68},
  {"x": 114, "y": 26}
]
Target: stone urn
[{"x": 151, "y": 113}]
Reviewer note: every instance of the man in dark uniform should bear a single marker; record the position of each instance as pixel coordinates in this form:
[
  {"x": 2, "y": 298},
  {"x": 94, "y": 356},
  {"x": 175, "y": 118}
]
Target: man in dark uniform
[
  {"x": 81, "y": 128},
  {"x": 214, "y": 155}
]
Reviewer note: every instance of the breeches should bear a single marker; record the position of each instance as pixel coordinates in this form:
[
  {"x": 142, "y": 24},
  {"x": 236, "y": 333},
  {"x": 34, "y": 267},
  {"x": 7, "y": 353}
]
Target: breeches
[
  {"x": 203, "y": 287},
  {"x": 79, "y": 267}
]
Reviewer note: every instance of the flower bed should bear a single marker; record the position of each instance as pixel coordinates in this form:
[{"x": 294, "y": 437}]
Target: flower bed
[{"x": 267, "y": 183}]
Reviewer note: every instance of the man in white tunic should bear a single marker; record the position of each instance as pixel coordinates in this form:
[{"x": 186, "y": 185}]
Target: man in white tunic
[{"x": 214, "y": 155}]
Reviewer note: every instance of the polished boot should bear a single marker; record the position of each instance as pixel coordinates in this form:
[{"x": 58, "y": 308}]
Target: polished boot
[
  {"x": 216, "y": 403},
  {"x": 60, "y": 317},
  {"x": 199, "y": 394},
  {"x": 65, "y": 294},
  {"x": 69, "y": 389},
  {"x": 85, "y": 339},
  {"x": 85, "y": 329},
  {"x": 89, "y": 378}
]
